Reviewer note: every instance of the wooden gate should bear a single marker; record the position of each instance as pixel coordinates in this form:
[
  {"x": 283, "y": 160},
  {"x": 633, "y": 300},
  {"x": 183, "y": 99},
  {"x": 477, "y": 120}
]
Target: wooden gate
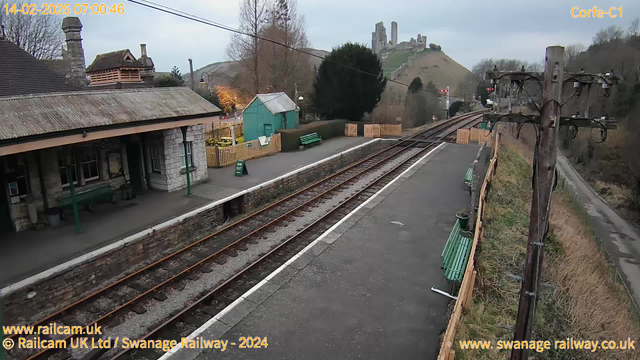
[
  {"x": 351, "y": 130},
  {"x": 371, "y": 130}
]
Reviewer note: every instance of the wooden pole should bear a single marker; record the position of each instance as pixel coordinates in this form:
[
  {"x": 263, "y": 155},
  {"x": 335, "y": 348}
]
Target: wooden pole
[{"x": 543, "y": 180}]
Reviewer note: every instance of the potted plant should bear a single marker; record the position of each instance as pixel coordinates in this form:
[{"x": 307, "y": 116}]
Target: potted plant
[{"x": 463, "y": 217}]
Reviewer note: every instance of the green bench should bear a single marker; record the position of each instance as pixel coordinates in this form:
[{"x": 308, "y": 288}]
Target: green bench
[
  {"x": 468, "y": 177},
  {"x": 89, "y": 197},
  {"x": 456, "y": 254},
  {"x": 310, "y": 139}
]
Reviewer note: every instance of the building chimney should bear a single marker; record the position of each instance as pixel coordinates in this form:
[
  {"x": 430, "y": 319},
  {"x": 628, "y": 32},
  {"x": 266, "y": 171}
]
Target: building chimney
[
  {"x": 149, "y": 70},
  {"x": 74, "y": 55},
  {"x": 143, "y": 50}
]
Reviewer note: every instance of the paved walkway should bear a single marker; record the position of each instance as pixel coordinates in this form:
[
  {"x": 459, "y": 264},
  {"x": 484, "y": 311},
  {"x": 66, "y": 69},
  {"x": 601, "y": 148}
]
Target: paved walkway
[
  {"x": 363, "y": 290},
  {"x": 29, "y": 252},
  {"x": 620, "y": 237}
]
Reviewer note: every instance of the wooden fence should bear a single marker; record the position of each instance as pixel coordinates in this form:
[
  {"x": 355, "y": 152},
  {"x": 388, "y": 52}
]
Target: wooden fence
[
  {"x": 390, "y": 130},
  {"x": 464, "y": 136},
  {"x": 225, "y": 156},
  {"x": 378, "y": 130},
  {"x": 351, "y": 130},
  {"x": 468, "y": 281},
  {"x": 220, "y": 132}
]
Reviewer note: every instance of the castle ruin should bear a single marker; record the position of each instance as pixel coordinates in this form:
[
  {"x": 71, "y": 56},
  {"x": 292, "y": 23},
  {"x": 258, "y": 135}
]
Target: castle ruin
[{"x": 380, "y": 44}]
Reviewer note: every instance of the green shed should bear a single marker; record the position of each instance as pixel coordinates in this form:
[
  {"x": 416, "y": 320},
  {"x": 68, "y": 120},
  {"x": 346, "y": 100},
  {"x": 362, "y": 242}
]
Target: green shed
[{"x": 267, "y": 113}]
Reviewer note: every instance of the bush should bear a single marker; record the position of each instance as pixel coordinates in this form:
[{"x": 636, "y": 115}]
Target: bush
[
  {"x": 433, "y": 46},
  {"x": 326, "y": 129}
]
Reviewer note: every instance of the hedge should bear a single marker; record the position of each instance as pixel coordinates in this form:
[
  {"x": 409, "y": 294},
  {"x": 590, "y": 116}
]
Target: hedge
[{"x": 326, "y": 129}]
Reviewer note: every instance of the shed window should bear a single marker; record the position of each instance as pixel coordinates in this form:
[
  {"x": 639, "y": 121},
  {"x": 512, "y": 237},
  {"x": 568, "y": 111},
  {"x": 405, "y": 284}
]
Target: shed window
[{"x": 156, "y": 158}]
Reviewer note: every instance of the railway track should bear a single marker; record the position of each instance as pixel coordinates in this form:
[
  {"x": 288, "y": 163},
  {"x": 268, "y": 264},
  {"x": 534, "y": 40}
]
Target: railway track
[{"x": 157, "y": 283}]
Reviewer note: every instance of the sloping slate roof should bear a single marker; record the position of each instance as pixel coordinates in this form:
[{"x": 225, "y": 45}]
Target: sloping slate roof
[
  {"x": 21, "y": 73},
  {"x": 276, "y": 102},
  {"x": 113, "y": 60},
  {"x": 49, "y": 113}
]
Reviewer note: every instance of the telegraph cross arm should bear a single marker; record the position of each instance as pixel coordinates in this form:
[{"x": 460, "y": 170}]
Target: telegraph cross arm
[{"x": 609, "y": 124}]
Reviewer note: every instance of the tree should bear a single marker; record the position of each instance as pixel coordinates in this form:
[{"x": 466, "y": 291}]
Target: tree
[
  {"x": 247, "y": 49},
  {"x": 634, "y": 28},
  {"x": 286, "y": 68},
  {"x": 39, "y": 35},
  {"x": 416, "y": 84},
  {"x": 175, "y": 72},
  {"x": 340, "y": 91},
  {"x": 174, "y": 78},
  {"x": 610, "y": 34}
]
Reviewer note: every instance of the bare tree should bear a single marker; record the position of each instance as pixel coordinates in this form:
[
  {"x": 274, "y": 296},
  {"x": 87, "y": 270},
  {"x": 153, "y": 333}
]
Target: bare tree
[
  {"x": 634, "y": 28},
  {"x": 39, "y": 35},
  {"x": 246, "y": 49},
  {"x": 571, "y": 52},
  {"x": 610, "y": 34},
  {"x": 288, "y": 68}
]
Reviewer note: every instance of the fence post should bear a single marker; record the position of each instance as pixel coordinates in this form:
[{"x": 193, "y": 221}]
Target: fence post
[{"x": 217, "y": 154}]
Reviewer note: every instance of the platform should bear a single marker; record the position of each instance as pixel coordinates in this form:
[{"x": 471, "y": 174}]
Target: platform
[
  {"x": 363, "y": 289},
  {"x": 32, "y": 251}
]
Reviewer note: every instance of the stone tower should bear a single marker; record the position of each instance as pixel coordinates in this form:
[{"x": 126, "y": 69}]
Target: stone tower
[
  {"x": 74, "y": 55},
  {"x": 394, "y": 33},
  {"x": 379, "y": 38}
]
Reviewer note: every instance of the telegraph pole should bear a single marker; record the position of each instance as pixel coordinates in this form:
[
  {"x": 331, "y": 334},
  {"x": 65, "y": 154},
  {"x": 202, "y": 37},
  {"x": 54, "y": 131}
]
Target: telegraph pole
[{"x": 543, "y": 180}]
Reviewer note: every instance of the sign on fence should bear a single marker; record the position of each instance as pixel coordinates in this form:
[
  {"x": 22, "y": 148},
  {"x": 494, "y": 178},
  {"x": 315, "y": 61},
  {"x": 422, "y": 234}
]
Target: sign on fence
[{"x": 241, "y": 168}]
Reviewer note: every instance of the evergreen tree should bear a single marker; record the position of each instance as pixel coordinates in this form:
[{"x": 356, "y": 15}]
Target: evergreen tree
[{"x": 342, "y": 92}]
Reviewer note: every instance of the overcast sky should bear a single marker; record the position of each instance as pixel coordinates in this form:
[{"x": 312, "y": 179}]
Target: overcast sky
[{"x": 468, "y": 31}]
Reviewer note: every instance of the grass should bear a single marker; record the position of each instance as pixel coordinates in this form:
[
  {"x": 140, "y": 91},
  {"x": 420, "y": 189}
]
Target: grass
[
  {"x": 586, "y": 302},
  {"x": 395, "y": 60}
]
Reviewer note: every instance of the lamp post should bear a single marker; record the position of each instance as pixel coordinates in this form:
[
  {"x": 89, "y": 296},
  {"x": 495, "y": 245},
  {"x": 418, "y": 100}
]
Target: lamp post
[{"x": 206, "y": 82}]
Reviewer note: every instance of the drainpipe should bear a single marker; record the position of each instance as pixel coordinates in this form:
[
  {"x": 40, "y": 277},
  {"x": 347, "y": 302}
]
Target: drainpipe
[{"x": 186, "y": 157}]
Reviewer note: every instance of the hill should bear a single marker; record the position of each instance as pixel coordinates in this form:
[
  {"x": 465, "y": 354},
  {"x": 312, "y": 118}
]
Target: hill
[
  {"x": 223, "y": 72},
  {"x": 429, "y": 65}
]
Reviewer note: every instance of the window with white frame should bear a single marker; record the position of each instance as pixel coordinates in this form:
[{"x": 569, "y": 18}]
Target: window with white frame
[
  {"x": 64, "y": 177},
  {"x": 189, "y": 155},
  {"x": 157, "y": 157},
  {"x": 89, "y": 163}
]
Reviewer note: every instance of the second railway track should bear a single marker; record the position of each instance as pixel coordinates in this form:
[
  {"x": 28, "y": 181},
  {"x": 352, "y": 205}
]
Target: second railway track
[{"x": 234, "y": 258}]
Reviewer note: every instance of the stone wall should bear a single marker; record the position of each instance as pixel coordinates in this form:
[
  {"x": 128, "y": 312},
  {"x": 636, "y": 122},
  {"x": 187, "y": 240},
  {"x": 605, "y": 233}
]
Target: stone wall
[
  {"x": 174, "y": 164},
  {"x": 64, "y": 288}
]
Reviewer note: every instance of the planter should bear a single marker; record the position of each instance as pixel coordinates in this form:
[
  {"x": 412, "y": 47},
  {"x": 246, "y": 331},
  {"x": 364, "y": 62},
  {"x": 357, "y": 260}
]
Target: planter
[
  {"x": 464, "y": 219},
  {"x": 467, "y": 234},
  {"x": 53, "y": 216}
]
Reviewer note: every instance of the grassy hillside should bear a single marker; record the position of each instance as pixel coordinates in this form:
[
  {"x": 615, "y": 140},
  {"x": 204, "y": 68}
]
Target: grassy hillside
[
  {"x": 588, "y": 301},
  {"x": 434, "y": 66},
  {"x": 395, "y": 60}
]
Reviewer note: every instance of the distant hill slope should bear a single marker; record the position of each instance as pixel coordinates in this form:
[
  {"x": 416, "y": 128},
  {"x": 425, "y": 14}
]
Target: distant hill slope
[
  {"x": 223, "y": 72},
  {"x": 429, "y": 65}
]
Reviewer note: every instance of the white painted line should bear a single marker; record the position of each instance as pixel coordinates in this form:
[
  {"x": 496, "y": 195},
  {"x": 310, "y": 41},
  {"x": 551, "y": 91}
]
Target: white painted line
[
  {"x": 129, "y": 239},
  {"x": 244, "y": 296}
]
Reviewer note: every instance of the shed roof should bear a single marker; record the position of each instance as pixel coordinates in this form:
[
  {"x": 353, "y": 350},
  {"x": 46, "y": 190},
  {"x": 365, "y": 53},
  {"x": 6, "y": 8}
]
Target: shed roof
[
  {"x": 276, "y": 102},
  {"x": 22, "y": 116},
  {"x": 21, "y": 73},
  {"x": 114, "y": 60}
]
